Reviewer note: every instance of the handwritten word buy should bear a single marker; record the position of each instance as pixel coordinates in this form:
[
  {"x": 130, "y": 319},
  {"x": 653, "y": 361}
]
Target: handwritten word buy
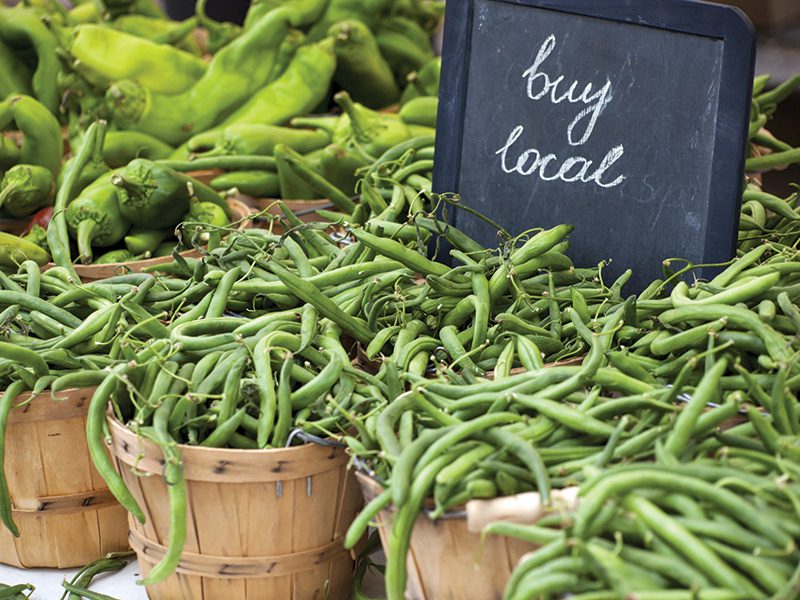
[{"x": 574, "y": 169}]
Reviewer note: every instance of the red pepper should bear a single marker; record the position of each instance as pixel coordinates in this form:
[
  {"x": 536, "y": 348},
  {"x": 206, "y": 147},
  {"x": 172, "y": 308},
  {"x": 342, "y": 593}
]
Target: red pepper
[{"x": 41, "y": 217}]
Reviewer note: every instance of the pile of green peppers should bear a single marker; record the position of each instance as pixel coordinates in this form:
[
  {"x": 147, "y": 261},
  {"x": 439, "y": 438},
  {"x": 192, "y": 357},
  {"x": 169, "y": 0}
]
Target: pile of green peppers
[{"x": 298, "y": 93}]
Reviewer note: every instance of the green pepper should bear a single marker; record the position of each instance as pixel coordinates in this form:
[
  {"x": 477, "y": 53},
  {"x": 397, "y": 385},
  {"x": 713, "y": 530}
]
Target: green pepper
[
  {"x": 23, "y": 30},
  {"x": 293, "y": 41},
  {"x": 208, "y": 214},
  {"x": 115, "y": 256},
  {"x": 332, "y": 125},
  {"x": 402, "y": 53},
  {"x": 421, "y": 111},
  {"x": 292, "y": 186},
  {"x": 145, "y": 241},
  {"x": 428, "y": 13},
  {"x": 367, "y": 11},
  {"x": 85, "y": 12},
  {"x": 304, "y": 85},
  {"x": 254, "y": 139},
  {"x": 37, "y": 235},
  {"x": 339, "y": 166},
  {"x": 430, "y": 75},
  {"x": 9, "y": 153},
  {"x": 234, "y": 75},
  {"x": 412, "y": 90},
  {"x": 121, "y": 147},
  {"x": 361, "y": 69},
  {"x": 15, "y": 77},
  {"x": 408, "y": 28},
  {"x": 94, "y": 219},
  {"x": 257, "y": 184},
  {"x": 219, "y": 34},
  {"x": 42, "y": 143},
  {"x": 111, "y": 9},
  {"x": 25, "y": 189},
  {"x": 150, "y": 193},
  {"x": 375, "y": 132},
  {"x": 15, "y": 250},
  {"x": 165, "y": 248},
  {"x": 116, "y": 55},
  {"x": 161, "y": 31},
  {"x": 258, "y": 8}
]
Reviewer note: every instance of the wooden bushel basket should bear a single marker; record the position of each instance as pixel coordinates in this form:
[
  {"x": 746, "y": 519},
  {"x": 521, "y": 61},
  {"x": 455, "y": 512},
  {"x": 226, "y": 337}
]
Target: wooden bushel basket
[
  {"x": 446, "y": 561},
  {"x": 261, "y": 524},
  {"x": 64, "y": 511}
]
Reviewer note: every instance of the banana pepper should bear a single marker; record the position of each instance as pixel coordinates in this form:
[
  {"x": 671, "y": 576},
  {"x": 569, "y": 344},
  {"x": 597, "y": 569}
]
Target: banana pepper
[
  {"x": 42, "y": 143},
  {"x": 235, "y": 74},
  {"x": 25, "y": 189},
  {"x": 253, "y": 139},
  {"x": 150, "y": 193},
  {"x": 115, "y": 55},
  {"x": 361, "y": 69},
  {"x": 23, "y": 30}
]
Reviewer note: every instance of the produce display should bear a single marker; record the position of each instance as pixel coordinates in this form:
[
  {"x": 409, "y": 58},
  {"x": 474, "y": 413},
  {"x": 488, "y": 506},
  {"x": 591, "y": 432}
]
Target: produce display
[{"x": 658, "y": 431}]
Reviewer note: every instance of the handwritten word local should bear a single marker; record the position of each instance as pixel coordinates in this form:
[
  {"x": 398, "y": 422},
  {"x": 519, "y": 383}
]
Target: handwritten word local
[{"x": 593, "y": 100}]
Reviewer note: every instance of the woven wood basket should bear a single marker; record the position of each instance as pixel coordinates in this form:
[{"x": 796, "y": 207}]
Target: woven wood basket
[
  {"x": 446, "y": 561},
  {"x": 64, "y": 511},
  {"x": 262, "y": 525}
]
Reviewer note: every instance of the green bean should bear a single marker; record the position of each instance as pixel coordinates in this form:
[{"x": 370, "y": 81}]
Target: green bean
[
  {"x": 682, "y": 539},
  {"x": 219, "y": 299},
  {"x": 642, "y": 478},
  {"x": 281, "y": 432},
  {"x": 176, "y": 492},
  {"x": 95, "y": 438},
  {"x": 705, "y": 392},
  {"x": 10, "y": 394},
  {"x": 308, "y": 292}
]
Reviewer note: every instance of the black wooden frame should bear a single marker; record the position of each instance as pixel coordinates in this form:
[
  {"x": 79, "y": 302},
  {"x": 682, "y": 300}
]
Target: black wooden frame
[{"x": 697, "y": 17}]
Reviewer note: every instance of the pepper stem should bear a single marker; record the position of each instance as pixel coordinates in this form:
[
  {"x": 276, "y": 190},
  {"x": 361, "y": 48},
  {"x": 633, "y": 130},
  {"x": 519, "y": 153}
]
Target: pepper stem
[
  {"x": 134, "y": 188},
  {"x": 358, "y": 116},
  {"x": 85, "y": 236},
  {"x": 6, "y": 193}
]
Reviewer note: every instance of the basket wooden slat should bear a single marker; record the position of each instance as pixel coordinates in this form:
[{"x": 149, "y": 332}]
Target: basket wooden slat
[
  {"x": 446, "y": 561},
  {"x": 260, "y": 524},
  {"x": 64, "y": 511}
]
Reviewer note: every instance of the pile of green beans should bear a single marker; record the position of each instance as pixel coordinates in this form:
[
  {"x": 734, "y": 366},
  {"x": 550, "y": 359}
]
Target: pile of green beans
[{"x": 511, "y": 371}]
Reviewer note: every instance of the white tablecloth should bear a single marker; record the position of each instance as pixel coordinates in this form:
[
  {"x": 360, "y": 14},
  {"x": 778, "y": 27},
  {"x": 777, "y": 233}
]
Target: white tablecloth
[{"x": 120, "y": 585}]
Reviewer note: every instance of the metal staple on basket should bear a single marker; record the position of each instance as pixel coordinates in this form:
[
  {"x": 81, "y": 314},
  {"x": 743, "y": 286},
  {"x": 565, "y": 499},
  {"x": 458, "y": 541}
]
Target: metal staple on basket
[{"x": 307, "y": 438}]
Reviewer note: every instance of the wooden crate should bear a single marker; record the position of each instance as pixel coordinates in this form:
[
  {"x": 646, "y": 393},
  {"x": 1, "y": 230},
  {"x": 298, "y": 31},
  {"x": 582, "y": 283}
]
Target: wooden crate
[
  {"x": 65, "y": 513},
  {"x": 446, "y": 561},
  {"x": 262, "y": 524}
]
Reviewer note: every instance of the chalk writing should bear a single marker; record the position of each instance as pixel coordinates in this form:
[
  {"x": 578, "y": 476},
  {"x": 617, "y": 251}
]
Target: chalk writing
[{"x": 593, "y": 100}]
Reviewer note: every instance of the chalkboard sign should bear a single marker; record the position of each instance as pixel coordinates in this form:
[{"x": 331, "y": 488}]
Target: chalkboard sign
[{"x": 625, "y": 118}]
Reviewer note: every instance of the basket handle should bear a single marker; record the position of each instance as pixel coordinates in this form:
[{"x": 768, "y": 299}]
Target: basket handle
[{"x": 523, "y": 508}]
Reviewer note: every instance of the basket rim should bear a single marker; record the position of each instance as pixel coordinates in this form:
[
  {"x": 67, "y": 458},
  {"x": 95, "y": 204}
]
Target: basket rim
[{"x": 118, "y": 425}]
